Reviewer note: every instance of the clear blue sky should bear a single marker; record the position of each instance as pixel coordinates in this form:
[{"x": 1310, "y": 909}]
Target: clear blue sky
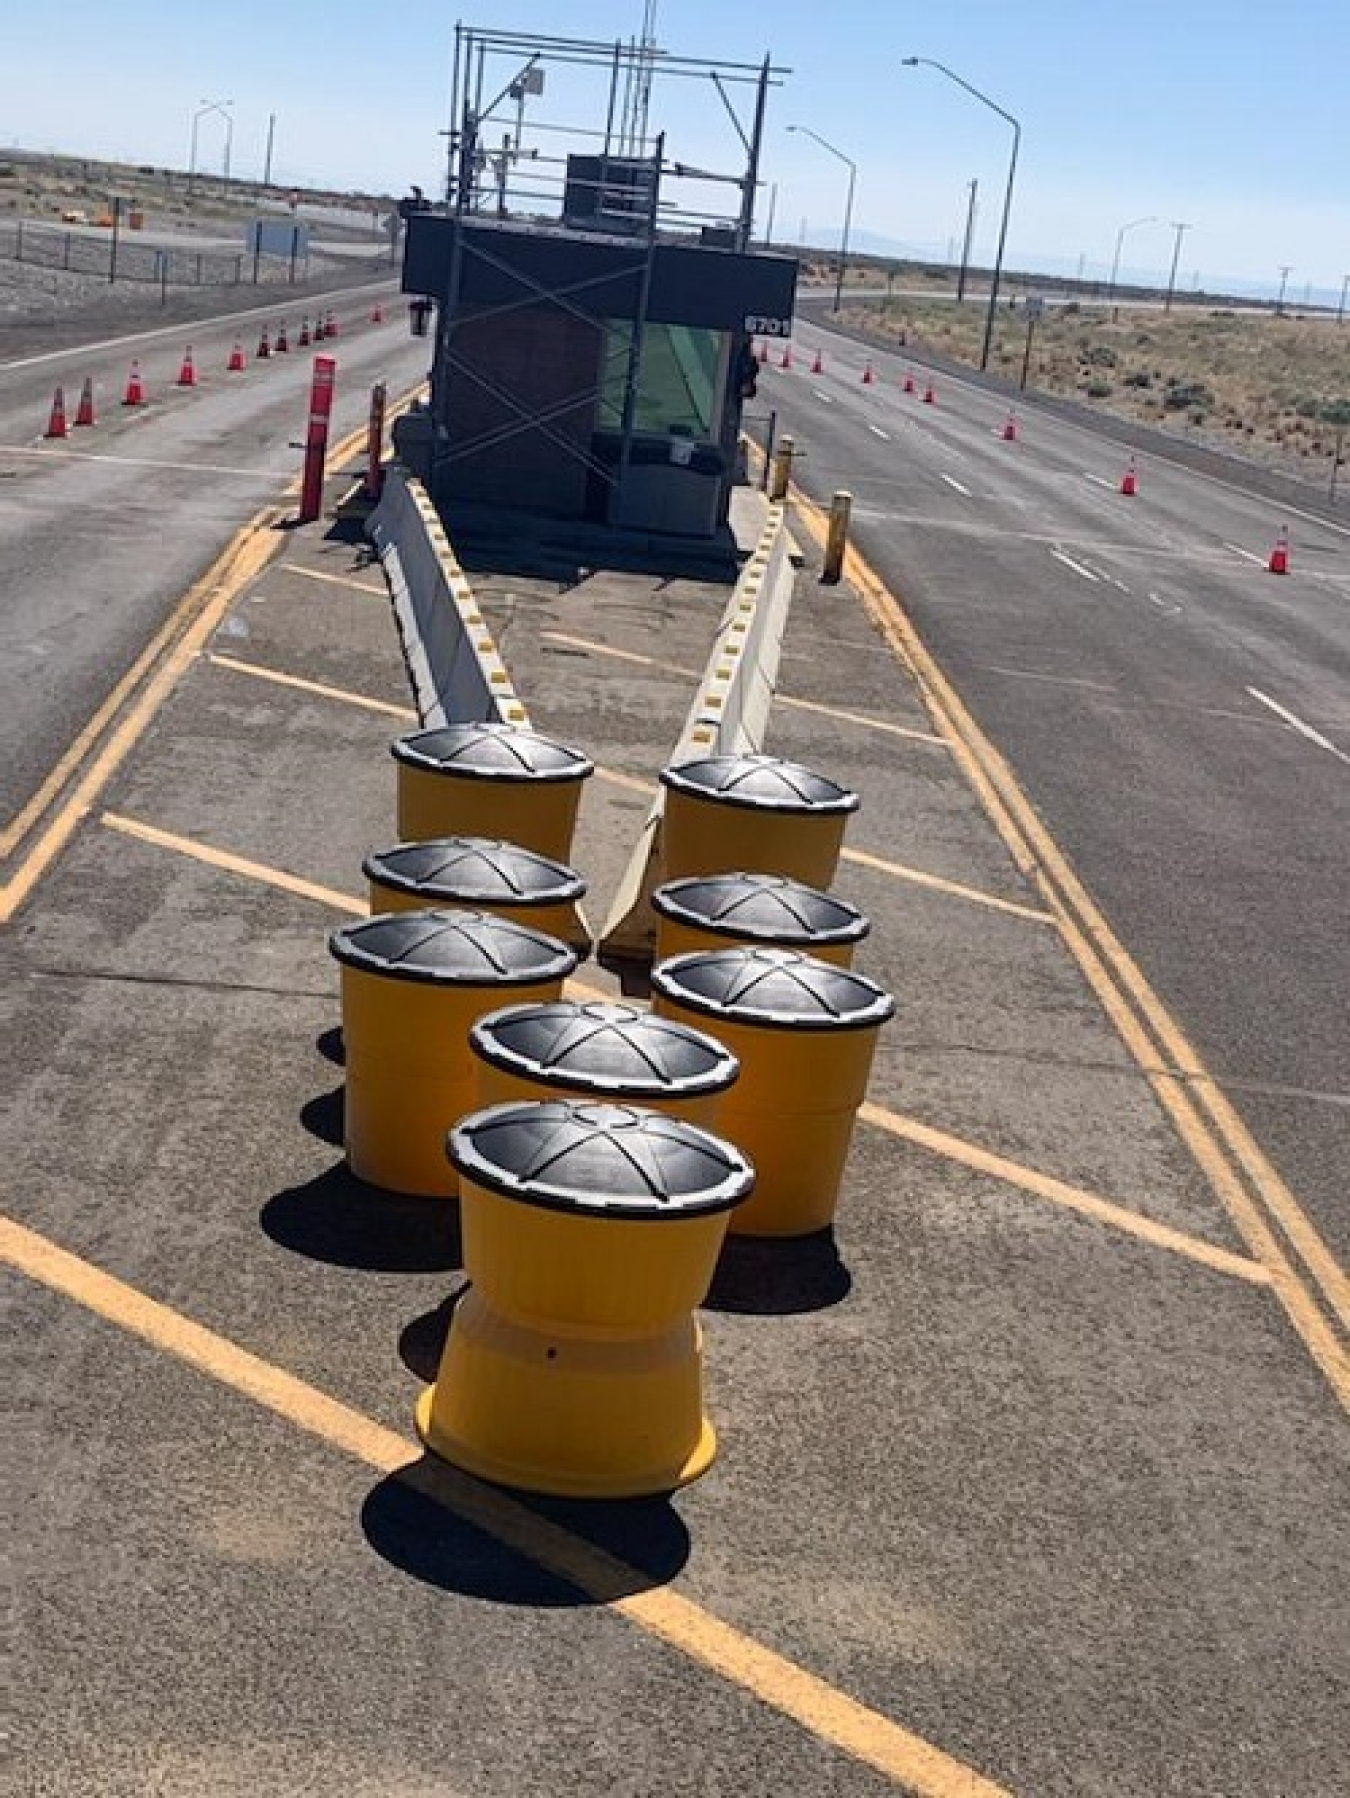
[{"x": 1233, "y": 117}]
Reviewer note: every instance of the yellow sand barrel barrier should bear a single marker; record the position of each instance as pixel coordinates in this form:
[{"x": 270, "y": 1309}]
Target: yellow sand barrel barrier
[
  {"x": 768, "y": 911},
  {"x": 753, "y": 814},
  {"x": 489, "y": 780},
  {"x": 804, "y": 1032},
  {"x": 574, "y": 1362},
  {"x": 598, "y": 1050},
  {"x": 480, "y": 874},
  {"x": 412, "y": 985}
]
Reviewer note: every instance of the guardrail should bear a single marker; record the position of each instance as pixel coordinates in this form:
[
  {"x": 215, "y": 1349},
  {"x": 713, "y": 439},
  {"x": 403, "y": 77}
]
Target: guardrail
[
  {"x": 729, "y": 715},
  {"x": 456, "y": 672}
]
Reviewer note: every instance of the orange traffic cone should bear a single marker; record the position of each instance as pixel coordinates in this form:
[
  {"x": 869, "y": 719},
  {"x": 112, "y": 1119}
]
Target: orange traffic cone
[
  {"x": 1010, "y": 428},
  {"x": 84, "y": 414},
  {"x": 135, "y": 393},
  {"x": 187, "y": 374},
  {"x": 786, "y": 359},
  {"x": 330, "y": 325},
  {"x": 818, "y": 366},
  {"x": 1129, "y": 481},
  {"x": 235, "y": 364},
  {"x": 282, "y": 345},
  {"x": 930, "y": 395},
  {"x": 264, "y": 346},
  {"x": 377, "y": 314},
  {"x": 868, "y": 376},
  {"x": 303, "y": 339},
  {"x": 56, "y": 422},
  {"x": 763, "y": 353},
  {"x": 908, "y": 383},
  {"x": 1279, "y": 556}
]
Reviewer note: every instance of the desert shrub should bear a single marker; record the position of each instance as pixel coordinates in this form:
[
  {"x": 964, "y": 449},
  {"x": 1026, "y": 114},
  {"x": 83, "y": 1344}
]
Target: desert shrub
[
  {"x": 1101, "y": 355},
  {"x": 1181, "y": 395},
  {"x": 1139, "y": 377},
  {"x": 1098, "y": 390}
]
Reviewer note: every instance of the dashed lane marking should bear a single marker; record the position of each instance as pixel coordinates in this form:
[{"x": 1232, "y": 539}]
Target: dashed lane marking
[
  {"x": 1296, "y": 723},
  {"x": 817, "y": 1707},
  {"x": 952, "y": 481},
  {"x": 878, "y": 432},
  {"x": 826, "y": 399},
  {"x": 1077, "y": 567},
  {"x": 1247, "y": 554}
]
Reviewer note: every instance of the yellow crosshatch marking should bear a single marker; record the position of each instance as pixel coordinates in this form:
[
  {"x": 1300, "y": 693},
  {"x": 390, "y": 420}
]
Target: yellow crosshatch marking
[
  {"x": 809, "y": 1701},
  {"x": 320, "y": 688},
  {"x": 1257, "y": 1200}
]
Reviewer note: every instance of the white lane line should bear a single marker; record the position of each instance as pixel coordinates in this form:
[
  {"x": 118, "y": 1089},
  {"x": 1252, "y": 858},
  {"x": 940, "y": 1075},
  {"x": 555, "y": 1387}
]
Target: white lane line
[
  {"x": 1296, "y": 723},
  {"x": 1077, "y": 567},
  {"x": 880, "y": 433},
  {"x": 67, "y": 455},
  {"x": 1238, "y": 550},
  {"x": 1164, "y": 606},
  {"x": 1101, "y": 480},
  {"x": 825, "y": 398},
  {"x": 952, "y": 481},
  {"x": 1054, "y": 680}
]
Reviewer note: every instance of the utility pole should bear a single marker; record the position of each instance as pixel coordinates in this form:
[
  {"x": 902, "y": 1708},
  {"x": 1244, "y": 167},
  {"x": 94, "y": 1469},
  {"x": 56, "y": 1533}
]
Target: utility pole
[
  {"x": 1284, "y": 282},
  {"x": 1181, "y": 230},
  {"x": 267, "y": 157},
  {"x": 1340, "y": 310}
]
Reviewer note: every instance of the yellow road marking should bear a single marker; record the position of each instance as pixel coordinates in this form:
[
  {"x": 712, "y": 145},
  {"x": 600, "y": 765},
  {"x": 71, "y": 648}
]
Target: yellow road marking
[
  {"x": 1220, "y": 1146},
  {"x": 1059, "y": 1192},
  {"x": 340, "y": 580},
  {"x": 204, "y": 606},
  {"x": 809, "y": 1701},
  {"x": 952, "y": 887},
  {"x": 313, "y": 686},
  {"x": 801, "y": 705},
  {"x": 613, "y": 778},
  {"x": 230, "y": 863}
]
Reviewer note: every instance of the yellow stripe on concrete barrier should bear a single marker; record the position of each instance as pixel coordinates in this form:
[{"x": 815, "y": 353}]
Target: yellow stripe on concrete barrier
[
  {"x": 454, "y": 666},
  {"x": 729, "y": 714}
]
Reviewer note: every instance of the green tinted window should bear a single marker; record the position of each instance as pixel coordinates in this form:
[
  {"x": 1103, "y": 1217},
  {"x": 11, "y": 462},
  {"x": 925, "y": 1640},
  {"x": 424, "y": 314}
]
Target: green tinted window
[{"x": 677, "y": 380}]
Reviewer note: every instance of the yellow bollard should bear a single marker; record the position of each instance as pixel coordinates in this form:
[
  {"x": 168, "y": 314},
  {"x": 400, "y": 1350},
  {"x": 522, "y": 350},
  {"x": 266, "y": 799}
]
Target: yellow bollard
[
  {"x": 781, "y": 478},
  {"x": 590, "y": 1233},
  {"x": 768, "y": 911},
  {"x": 836, "y": 537},
  {"x": 489, "y": 780},
  {"x": 412, "y": 985},
  {"x": 757, "y": 814},
  {"x": 804, "y": 1033},
  {"x": 479, "y": 874},
  {"x": 618, "y": 1053}
]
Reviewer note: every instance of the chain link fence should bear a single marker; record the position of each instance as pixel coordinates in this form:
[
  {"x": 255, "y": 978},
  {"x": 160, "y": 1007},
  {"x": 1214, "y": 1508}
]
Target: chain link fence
[{"x": 113, "y": 258}]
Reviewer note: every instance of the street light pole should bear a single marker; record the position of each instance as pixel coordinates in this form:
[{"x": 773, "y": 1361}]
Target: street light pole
[
  {"x": 965, "y": 245},
  {"x": 1181, "y": 231},
  {"x": 848, "y": 205},
  {"x": 1115, "y": 261},
  {"x": 207, "y": 106},
  {"x": 1286, "y": 269},
  {"x": 1340, "y": 310},
  {"x": 912, "y": 62}
]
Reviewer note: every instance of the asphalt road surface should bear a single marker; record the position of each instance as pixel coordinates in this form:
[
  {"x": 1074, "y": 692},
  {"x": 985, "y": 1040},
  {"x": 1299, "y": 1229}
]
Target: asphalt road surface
[
  {"x": 1179, "y": 716},
  {"x": 103, "y": 531}
]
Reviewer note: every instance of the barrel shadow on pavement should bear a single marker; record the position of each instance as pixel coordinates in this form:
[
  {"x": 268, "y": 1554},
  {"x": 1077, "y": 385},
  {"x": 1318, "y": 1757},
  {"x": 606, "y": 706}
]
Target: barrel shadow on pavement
[
  {"x": 765, "y": 1277},
  {"x": 411, "y": 1520},
  {"x": 341, "y": 1220}
]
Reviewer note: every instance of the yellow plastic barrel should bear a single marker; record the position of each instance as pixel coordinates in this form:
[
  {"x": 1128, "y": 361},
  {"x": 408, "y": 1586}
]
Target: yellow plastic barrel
[
  {"x": 479, "y": 874},
  {"x": 489, "y": 780},
  {"x": 769, "y": 911},
  {"x": 804, "y": 1032},
  {"x": 752, "y": 814},
  {"x": 574, "y": 1364},
  {"x": 600, "y": 1050},
  {"x": 412, "y": 985}
]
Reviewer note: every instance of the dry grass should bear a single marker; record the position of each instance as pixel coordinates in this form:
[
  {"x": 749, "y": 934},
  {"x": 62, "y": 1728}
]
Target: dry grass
[{"x": 1275, "y": 388}]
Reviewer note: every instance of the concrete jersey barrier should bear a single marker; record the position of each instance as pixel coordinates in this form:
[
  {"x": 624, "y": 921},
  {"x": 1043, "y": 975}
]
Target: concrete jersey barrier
[
  {"x": 729, "y": 715},
  {"x": 455, "y": 670}
]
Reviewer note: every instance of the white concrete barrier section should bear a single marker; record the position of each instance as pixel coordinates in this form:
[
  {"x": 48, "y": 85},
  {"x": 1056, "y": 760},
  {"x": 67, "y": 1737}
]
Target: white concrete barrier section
[
  {"x": 456, "y": 673},
  {"x": 729, "y": 715}
]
